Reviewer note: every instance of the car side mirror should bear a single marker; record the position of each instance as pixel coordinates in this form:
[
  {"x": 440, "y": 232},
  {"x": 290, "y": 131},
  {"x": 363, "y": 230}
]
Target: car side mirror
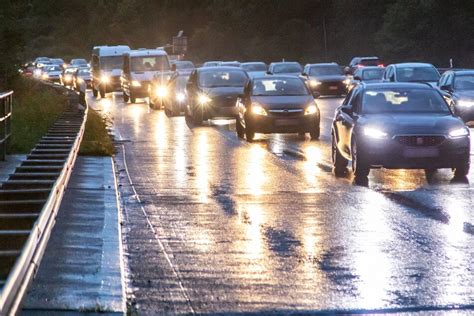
[
  {"x": 173, "y": 67},
  {"x": 347, "y": 109},
  {"x": 347, "y": 70},
  {"x": 357, "y": 78},
  {"x": 446, "y": 87},
  {"x": 315, "y": 94}
]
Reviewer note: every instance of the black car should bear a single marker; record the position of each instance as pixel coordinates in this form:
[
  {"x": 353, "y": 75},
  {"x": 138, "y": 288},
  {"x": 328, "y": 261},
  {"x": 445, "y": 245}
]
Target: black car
[
  {"x": 458, "y": 89},
  {"x": 285, "y": 68},
  {"x": 412, "y": 72},
  {"x": 175, "y": 99},
  {"x": 277, "y": 104},
  {"x": 326, "y": 78},
  {"x": 398, "y": 126},
  {"x": 369, "y": 74},
  {"x": 360, "y": 62},
  {"x": 213, "y": 91}
]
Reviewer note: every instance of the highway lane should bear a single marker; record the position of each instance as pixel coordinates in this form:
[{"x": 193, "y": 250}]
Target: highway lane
[{"x": 214, "y": 224}]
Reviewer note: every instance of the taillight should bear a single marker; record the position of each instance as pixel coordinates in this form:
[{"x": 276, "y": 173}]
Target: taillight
[
  {"x": 380, "y": 65},
  {"x": 360, "y": 66}
]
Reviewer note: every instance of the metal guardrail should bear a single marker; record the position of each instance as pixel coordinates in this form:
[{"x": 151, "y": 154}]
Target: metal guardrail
[
  {"x": 40, "y": 181},
  {"x": 5, "y": 121}
]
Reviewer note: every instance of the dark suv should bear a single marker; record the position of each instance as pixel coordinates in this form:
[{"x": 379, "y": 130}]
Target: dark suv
[
  {"x": 359, "y": 62},
  {"x": 458, "y": 89},
  {"x": 398, "y": 126}
]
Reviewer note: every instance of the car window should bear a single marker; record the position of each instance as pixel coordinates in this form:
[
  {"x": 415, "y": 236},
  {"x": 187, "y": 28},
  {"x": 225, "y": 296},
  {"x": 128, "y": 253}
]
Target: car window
[
  {"x": 272, "y": 87},
  {"x": 287, "y": 68},
  {"x": 416, "y": 74},
  {"x": 150, "y": 63},
  {"x": 464, "y": 82},
  {"x": 403, "y": 100},
  {"x": 332, "y": 70},
  {"x": 372, "y": 74},
  {"x": 222, "y": 78},
  {"x": 355, "y": 101}
]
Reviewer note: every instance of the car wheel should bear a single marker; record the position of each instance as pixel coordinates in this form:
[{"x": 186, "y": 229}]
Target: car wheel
[
  {"x": 462, "y": 170},
  {"x": 95, "y": 93},
  {"x": 168, "y": 112},
  {"x": 239, "y": 128},
  {"x": 359, "y": 165},
  {"x": 197, "y": 118},
  {"x": 125, "y": 97},
  {"x": 102, "y": 93},
  {"x": 132, "y": 98},
  {"x": 338, "y": 161},
  {"x": 151, "y": 104},
  {"x": 249, "y": 132},
  {"x": 315, "y": 132}
]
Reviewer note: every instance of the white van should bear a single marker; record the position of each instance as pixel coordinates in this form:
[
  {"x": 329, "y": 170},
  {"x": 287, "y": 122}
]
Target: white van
[
  {"x": 107, "y": 63},
  {"x": 139, "y": 68}
]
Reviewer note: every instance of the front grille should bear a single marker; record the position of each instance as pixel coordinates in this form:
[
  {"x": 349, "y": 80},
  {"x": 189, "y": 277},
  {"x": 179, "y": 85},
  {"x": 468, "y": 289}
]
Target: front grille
[
  {"x": 420, "y": 140},
  {"x": 286, "y": 113}
]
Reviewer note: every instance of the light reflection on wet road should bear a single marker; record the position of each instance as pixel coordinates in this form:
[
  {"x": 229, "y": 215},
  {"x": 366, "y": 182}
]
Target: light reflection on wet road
[{"x": 221, "y": 225}]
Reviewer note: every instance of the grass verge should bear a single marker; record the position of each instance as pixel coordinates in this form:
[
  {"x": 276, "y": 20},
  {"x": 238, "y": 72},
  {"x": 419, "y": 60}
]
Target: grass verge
[
  {"x": 96, "y": 140},
  {"x": 35, "y": 109}
]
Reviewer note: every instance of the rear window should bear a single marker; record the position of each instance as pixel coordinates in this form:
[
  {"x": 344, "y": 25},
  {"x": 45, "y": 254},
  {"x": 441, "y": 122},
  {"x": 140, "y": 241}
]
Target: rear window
[
  {"x": 417, "y": 74},
  {"x": 254, "y": 67},
  {"x": 287, "y": 68},
  {"x": 403, "y": 101},
  {"x": 373, "y": 74},
  {"x": 326, "y": 71},
  {"x": 464, "y": 82},
  {"x": 369, "y": 62}
]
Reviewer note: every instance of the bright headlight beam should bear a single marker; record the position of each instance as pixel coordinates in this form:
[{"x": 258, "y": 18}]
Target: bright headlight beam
[
  {"x": 104, "y": 79},
  {"x": 311, "y": 109},
  {"x": 459, "y": 132},
  {"x": 314, "y": 83},
  {"x": 136, "y": 83},
  {"x": 203, "y": 99},
  {"x": 180, "y": 97},
  {"x": 258, "y": 109},
  {"x": 465, "y": 103},
  {"x": 374, "y": 133},
  {"x": 161, "y": 91}
]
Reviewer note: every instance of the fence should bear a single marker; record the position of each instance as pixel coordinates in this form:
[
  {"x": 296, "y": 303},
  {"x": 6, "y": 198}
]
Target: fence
[{"x": 5, "y": 121}]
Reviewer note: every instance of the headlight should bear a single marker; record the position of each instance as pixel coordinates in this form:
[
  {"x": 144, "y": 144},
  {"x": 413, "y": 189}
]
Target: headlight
[
  {"x": 80, "y": 80},
  {"x": 45, "y": 76},
  {"x": 465, "y": 103},
  {"x": 314, "y": 83},
  {"x": 257, "y": 109},
  {"x": 67, "y": 77},
  {"x": 459, "y": 132},
  {"x": 180, "y": 97},
  {"x": 203, "y": 99},
  {"x": 311, "y": 109},
  {"x": 37, "y": 72},
  {"x": 104, "y": 79},
  {"x": 161, "y": 92},
  {"x": 374, "y": 133},
  {"x": 136, "y": 83},
  {"x": 347, "y": 81}
]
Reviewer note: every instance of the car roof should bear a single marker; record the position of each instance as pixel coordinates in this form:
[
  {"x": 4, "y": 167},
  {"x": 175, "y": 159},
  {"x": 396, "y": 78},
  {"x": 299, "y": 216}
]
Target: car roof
[
  {"x": 146, "y": 52},
  {"x": 413, "y": 65},
  {"x": 381, "y": 85},
  {"x": 462, "y": 72},
  {"x": 284, "y": 62},
  {"x": 322, "y": 64},
  {"x": 110, "y": 50},
  {"x": 278, "y": 77},
  {"x": 370, "y": 68},
  {"x": 253, "y": 62},
  {"x": 219, "y": 68}
]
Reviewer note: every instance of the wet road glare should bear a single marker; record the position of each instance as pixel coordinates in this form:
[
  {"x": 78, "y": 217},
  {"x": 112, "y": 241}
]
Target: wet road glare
[{"x": 213, "y": 224}]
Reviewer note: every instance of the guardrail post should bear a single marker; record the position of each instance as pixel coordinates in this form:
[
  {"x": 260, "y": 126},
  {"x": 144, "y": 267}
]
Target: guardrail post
[{"x": 6, "y": 100}]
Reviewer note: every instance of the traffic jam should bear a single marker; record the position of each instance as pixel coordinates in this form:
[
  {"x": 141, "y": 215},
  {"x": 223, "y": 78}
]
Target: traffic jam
[
  {"x": 258, "y": 186},
  {"x": 403, "y": 116}
]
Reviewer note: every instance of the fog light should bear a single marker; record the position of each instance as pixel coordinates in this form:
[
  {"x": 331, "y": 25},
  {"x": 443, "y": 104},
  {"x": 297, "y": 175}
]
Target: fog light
[{"x": 258, "y": 109}]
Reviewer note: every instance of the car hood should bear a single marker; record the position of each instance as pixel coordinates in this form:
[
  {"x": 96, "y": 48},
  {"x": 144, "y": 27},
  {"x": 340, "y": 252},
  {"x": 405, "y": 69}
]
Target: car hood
[
  {"x": 328, "y": 78},
  {"x": 405, "y": 124},
  {"x": 283, "y": 102},
  {"x": 466, "y": 95},
  {"x": 223, "y": 91}
]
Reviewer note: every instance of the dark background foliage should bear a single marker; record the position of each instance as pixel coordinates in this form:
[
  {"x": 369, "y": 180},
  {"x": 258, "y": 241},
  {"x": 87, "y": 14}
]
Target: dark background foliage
[{"x": 396, "y": 30}]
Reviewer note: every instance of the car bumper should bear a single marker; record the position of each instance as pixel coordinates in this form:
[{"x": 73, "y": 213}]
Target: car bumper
[
  {"x": 393, "y": 155},
  {"x": 330, "y": 88},
  {"x": 280, "y": 124}
]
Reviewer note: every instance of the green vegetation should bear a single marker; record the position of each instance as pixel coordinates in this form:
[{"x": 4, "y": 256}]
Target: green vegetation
[
  {"x": 35, "y": 109},
  {"x": 96, "y": 141}
]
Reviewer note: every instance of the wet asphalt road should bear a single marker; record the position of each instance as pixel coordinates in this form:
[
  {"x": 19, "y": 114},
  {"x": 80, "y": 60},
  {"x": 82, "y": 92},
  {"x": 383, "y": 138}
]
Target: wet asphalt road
[{"x": 213, "y": 224}]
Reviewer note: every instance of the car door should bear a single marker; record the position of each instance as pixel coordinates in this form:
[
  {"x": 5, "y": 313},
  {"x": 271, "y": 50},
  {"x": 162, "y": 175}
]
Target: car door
[{"x": 344, "y": 123}]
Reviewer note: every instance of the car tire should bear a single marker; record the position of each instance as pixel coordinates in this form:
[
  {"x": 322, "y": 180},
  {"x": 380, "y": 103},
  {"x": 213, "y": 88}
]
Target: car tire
[
  {"x": 462, "y": 170},
  {"x": 151, "y": 104},
  {"x": 102, "y": 93},
  {"x": 125, "y": 97},
  {"x": 197, "y": 118},
  {"x": 133, "y": 99},
  {"x": 168, "y": 112},
  {"x": 315, "y": 132},
  {"x": 239, "y": 128},
  {"x": 338, "y": 161},
  {"x": 249, "y": 132},
  {"x": 95, "y": 93},
  {"x": 359, "y": 166}
]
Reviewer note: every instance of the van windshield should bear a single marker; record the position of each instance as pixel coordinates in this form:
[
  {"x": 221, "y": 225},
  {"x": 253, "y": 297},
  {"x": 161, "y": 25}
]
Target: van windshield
[
  {"x": 150, "y": 63},
  {"x": 111, "y": 62}
]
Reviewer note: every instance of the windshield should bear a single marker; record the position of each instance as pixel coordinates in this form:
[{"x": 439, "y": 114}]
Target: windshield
[
  {"x": 325, "y": 71},
  {"x": 287, "y": 68},
  {"x": 52, "y": 68},
  {"x": 83, "y": 72},
  {"x": 230, "y": 64},
  {"x": 254, "y": 67},
  {"x": 150, "y": 63},
  {"x": 211, "y": 79},
  {"x": 185, "y": 65},
  {"x": 417, "y": 74},
  {"x": 111, "y": 62},
  {"x": 78, "y": 62},
  {"x": 211, "y": 64},
  {"x": 464, "y": 82},
  {"x": 287, "y": 86},
  {"x": 373, "y": 74},
  {"x": 403, "y": 101}
]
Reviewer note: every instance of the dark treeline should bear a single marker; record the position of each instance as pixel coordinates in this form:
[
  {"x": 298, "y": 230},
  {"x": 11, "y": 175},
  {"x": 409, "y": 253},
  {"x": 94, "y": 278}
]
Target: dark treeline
[{"x": 429, "y": 30}]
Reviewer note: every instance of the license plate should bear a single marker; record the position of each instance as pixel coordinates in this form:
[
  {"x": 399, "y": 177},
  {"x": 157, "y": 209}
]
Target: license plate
[
  {"x": 333, "y": 88},
  {"x": 285, "y": 122},
  {"x": 421, "y": 152}
]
